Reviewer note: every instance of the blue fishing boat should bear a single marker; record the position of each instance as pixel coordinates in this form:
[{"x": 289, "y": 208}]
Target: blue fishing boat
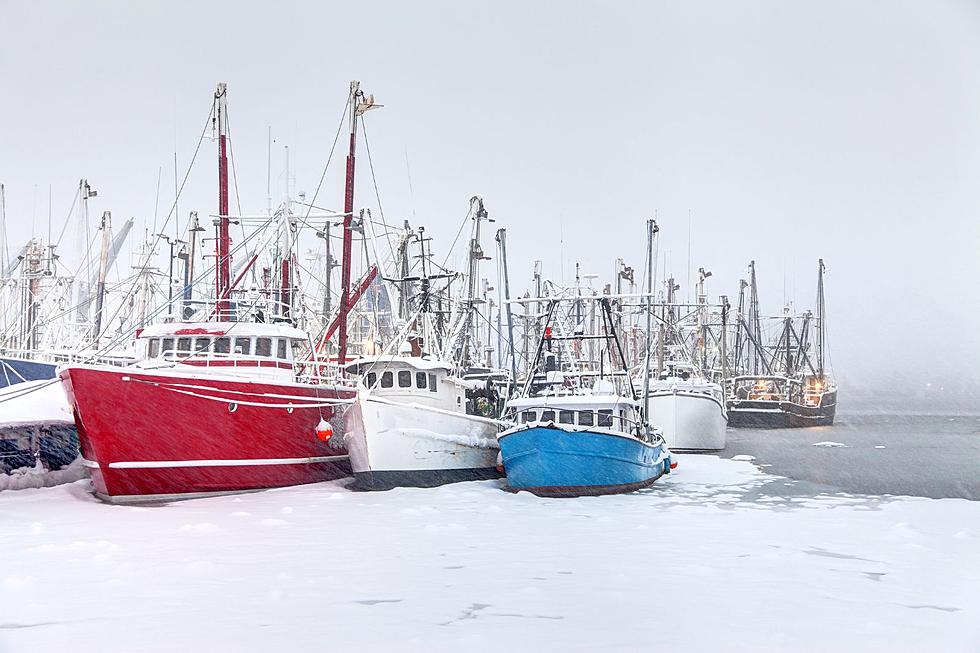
[
  {"x": 579, "y": 429},
  {"x": 580, "y": 444}
]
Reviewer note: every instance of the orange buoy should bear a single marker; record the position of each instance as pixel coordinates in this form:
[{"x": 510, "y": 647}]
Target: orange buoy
[{"x": 324, "y": 431}]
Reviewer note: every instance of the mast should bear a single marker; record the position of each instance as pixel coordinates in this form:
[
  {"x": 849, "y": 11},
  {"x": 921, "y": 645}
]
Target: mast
[
  {"x": 470, "y": 336},
  {"x": 359, "y": 104},
  {"x": 739, "y": 325},
  {"x": 223, "y": 267},
  {"x": 723, "y": 345},
  {"x": 82, "y": 289},
  {"x": 190, "y": 254},
  {"x": 4, "y": 255},
  {"x": 103, "y": 270},
  {"x": 755, "y": 324},
  {"x": 652, "y": 229},
  {"x": 821, "y": 315},
  {"x": 502, "y": 240}
]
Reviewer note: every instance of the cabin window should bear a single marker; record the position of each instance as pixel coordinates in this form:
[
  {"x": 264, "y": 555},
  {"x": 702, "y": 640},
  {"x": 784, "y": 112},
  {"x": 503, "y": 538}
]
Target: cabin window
[
  {"x": 281, "y": 348},
  {"x": 528, "y": 416},
  {"x": 297, "y": 346},
  {"x": 243, "y": 346},
  {"x": 168, "y": 345},
  {"x": 263, "y": 346},
  {"x": 154, "y": 349},
  {"x": 222, "y": 345},
  {"x": 404, "y": 379},
  {"x": 432, "y": 383},
  {"x": 387, "y": 380},
  {"x": 566, "y": 417},
  {"x": 605, "y": 418},
  {"x": 420, "y": 380},
  {"x": 372, "y": 378},
  {"x": 548, "y": 416},
  {"x": 202, "y": 344},
  {"x": 183, "y": 344},
  {"x": 585, "y": 418}
]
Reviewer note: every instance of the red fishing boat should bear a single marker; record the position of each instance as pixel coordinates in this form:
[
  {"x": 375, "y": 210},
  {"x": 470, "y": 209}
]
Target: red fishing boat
[
  {"x": 228, "y": 404},
  {"x": 211, "y": 408}
]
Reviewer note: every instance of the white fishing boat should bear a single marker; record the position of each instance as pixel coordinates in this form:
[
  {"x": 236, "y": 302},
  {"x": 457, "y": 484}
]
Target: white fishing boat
[
  {"x": 410, "y": 426},
  {"x": 418, "y": 420},
  {"x": 688, "y": 410}
]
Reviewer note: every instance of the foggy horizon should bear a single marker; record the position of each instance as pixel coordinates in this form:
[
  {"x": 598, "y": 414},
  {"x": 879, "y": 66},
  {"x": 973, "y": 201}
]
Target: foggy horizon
[{"x": 787, "y": 133}]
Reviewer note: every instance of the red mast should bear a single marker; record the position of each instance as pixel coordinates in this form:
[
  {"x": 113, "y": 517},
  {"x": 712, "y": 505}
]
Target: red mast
[
  {"x": 358, "y": 105},
  {"x": 223, "y": 254}
]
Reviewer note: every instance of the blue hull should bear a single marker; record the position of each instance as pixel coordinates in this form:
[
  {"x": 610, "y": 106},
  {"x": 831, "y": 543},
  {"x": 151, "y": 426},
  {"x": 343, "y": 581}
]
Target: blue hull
[
  {"x": 550, "y": 461},
  {"x": 18, "y": 370}
]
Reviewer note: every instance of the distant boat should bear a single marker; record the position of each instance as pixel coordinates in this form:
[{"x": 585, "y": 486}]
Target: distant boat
[
  {"x": 688, "y": 410},
  {"x": 783, "y": 386},
  {"x": 685, "y": 405}
]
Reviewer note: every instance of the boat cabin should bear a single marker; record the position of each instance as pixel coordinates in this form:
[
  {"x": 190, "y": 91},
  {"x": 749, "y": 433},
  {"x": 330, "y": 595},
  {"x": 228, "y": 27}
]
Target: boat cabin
[
  {"x": 411, "y": 379},
  {"x": 577, "y": 412},
  {"x": 240, "y": 348}
]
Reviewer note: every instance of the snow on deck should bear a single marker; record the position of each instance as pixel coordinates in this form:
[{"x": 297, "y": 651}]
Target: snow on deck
[
  {"x": 717, "y": 557},
  {"x": 34, "y": 402}
]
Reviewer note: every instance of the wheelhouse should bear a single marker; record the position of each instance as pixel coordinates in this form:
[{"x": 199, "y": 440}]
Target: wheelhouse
[
  {"x": 255, "y": 349},
  {"x": 411, "y": 379},
  {"x": 577, "y": 412}
]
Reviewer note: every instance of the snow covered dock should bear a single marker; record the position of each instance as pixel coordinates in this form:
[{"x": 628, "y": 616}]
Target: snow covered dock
[{"x": 717, "y": 557}]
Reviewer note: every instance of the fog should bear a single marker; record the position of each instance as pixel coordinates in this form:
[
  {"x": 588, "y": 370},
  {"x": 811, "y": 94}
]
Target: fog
[{"x": 780, "y": 132}]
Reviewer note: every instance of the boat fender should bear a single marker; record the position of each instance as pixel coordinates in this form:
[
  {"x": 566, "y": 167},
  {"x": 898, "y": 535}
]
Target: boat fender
[
  {"x": 673, "y": 465},
  {"x": 324, "y": 431},
  {"x": 500, "y": 463}
]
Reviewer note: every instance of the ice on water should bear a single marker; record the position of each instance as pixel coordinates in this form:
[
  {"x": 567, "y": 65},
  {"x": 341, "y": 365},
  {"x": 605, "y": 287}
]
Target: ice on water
[{"x": 717, "y": 557}]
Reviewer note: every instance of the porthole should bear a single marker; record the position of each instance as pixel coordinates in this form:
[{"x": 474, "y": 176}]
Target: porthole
[
  {"x": 232, "y": 407},
  {"x": 289, "y": 409}
]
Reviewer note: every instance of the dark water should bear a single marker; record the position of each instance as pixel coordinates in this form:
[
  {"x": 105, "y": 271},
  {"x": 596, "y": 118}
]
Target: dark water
[{"x": 936, "y": 456}]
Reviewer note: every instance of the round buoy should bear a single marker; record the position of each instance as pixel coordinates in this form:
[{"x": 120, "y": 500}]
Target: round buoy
[{"x": 324, "y": 431}]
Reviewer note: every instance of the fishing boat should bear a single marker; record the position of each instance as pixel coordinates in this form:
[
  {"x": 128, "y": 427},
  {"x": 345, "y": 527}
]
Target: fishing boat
[
  {"x": 242, "y": 401},
  {"x": 210, "y": 408},
  {"x": 411, "y": 425},
  {"x": 581, "y": 435},
  {"x": 419, "y": 419},
  {"x": 787, "y": 387},
  {"x": 685, "y": 403},
  {"x": 689, "y": 410},
  {"x": 580, "y": 444}
]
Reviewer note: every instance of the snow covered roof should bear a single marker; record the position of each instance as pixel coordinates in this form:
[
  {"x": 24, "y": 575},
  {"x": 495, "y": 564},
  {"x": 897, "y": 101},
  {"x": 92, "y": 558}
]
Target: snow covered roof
[
  {"x": 380, "y": 363},
  {"x": 243, "y": 329},
  {"x": 571, "y": 402}
]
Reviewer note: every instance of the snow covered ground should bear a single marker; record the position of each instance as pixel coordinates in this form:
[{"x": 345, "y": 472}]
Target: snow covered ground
[{"x": 718, "y": 557}]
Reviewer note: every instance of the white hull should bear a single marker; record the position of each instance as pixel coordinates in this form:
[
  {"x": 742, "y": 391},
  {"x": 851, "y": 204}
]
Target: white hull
[
  {"x": 399, "y": 439},
  {"x": 689, "y": 420}
]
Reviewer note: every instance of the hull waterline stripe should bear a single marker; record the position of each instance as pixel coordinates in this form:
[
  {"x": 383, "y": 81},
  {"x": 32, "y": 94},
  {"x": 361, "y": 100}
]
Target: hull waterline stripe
[{"x": 165, "y": 464}]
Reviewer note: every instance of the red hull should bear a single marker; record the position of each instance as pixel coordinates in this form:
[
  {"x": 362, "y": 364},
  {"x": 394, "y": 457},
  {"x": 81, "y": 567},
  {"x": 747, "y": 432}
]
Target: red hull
[{"x": 148, "y": 436}]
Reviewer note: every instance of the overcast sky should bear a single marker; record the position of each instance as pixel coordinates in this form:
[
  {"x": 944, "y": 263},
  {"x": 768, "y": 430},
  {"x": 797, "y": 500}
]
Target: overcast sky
[{"x": 787, "y": 130}]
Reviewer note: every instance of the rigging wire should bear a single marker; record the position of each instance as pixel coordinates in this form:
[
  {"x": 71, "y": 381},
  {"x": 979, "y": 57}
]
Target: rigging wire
[{"x": 377, "y": 194}]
